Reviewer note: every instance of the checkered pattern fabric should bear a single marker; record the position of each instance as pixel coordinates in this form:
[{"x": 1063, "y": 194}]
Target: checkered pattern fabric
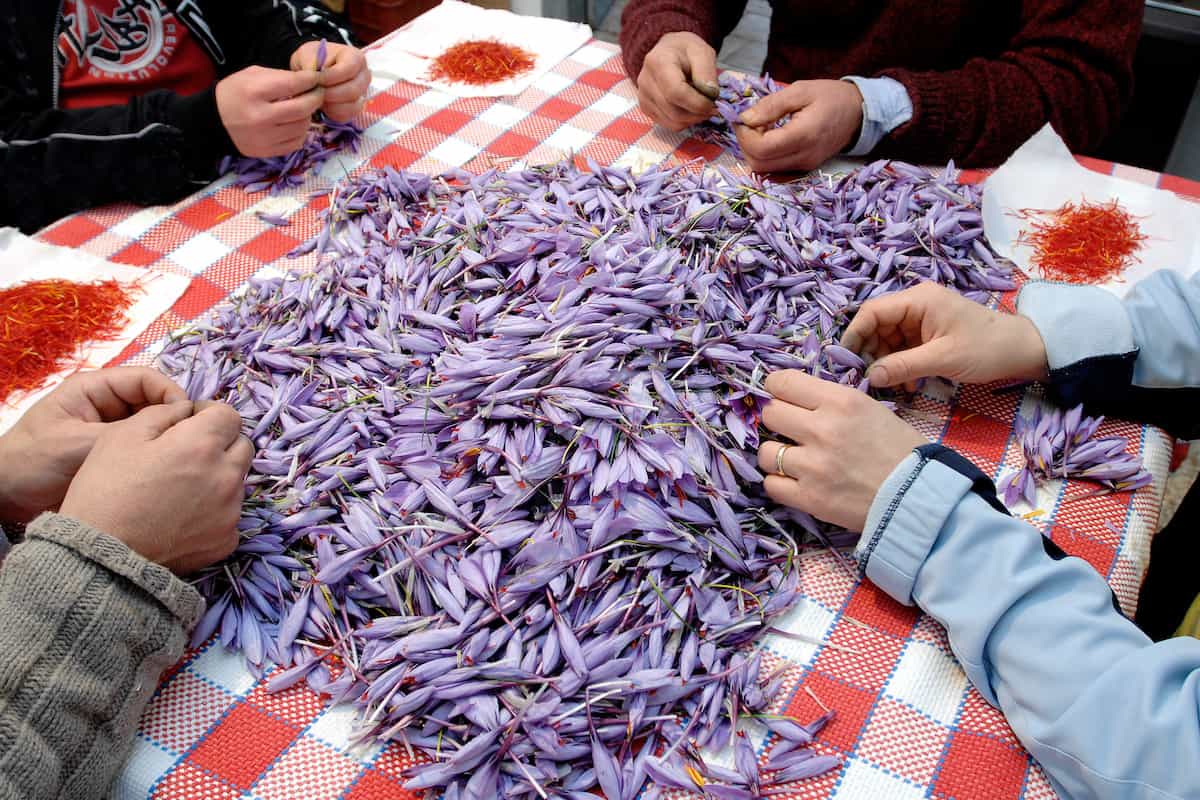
[{"x": 908, "y": 725}]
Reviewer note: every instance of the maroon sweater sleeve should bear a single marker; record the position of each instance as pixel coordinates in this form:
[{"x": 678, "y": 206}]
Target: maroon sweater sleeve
[
  {"x": 644, "y": 22},
  {"x": 1071, "y": 64}
]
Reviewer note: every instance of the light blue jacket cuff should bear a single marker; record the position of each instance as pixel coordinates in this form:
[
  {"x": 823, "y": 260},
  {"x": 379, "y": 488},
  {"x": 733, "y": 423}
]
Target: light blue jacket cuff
[
  {"x": 904, "y": 521},
  {"x": 886, "y": 106},
  {"x": 1076, "y": 322}
]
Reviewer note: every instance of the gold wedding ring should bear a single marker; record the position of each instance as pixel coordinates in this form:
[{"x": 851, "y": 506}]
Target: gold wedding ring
[{"x": 779, "y": 470}]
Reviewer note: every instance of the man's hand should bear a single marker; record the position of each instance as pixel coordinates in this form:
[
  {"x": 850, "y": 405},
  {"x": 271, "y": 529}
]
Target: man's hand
[
  {"x": 168, "y": 482},
  {"x": 41, "y": 453},
  {"x": 664, "y": 85},
  {"x": 826, "y": 118},
  {"x": 930, "y": 331},
  {"x": 267, "y": 112},
  {"x": 844, "y": 446},
  {"x": 345, "y": 77}
]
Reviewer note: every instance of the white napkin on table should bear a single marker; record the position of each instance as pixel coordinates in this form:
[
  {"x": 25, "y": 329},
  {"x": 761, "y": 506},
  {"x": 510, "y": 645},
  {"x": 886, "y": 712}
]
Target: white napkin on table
[
  {"x": 23, "y": 259},
  {"x": 1043, "y": 174},
  {"x": 407, "y": 53}
]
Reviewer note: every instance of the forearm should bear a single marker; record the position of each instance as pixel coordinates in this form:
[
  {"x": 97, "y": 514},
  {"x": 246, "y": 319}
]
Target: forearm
[
  {"x": 1070, "y": 65},
  {"x": 1038, "y": 635},
  {"x": 1137, "y": 358},
  {"x": 154, "y": 149},
  {"x": 644, "y": 22},
  {"x": 88, "y": 627}
]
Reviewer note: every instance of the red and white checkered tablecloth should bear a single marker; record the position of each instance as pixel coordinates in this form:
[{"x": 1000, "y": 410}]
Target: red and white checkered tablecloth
[{"x": 908, "y": 725}]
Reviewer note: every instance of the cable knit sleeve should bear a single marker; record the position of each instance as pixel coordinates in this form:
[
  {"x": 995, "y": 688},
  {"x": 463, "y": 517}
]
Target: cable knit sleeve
[
  {"x": 1070, "y": 64},
  {"x": 86, "y": 628},
  {"x": 644, "y": 22}
]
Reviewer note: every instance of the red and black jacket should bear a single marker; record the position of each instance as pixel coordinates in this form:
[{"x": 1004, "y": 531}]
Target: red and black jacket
[{"x": 153, "y": 149}]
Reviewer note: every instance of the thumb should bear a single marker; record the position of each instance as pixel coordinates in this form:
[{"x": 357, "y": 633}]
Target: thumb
[
  {"x": 702, "y": 66},
  {"x": 153, "y": 421},
  {"x": 925, "y": 361},
  {"x": 770, "y": 109},
  {"x": 282, "y": 84}
]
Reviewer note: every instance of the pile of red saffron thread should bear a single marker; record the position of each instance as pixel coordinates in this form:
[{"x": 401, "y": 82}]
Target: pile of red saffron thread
[
  {"x": 480, "y": 62},
  {"x": 44, "y": 323},
  {"x": 1084, "y": 243}
]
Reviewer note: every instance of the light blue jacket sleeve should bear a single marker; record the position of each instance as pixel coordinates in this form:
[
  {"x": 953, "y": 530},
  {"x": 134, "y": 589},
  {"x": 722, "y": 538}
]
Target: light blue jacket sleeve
[
  {"x": 1106, "y": 712},
  {"x": 1137, "y": 357}
]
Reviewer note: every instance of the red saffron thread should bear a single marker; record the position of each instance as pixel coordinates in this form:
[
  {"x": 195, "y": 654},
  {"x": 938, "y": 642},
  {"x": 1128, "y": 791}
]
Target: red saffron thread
[
  {"x": 480, "y": 62},
  {"x": 44, "y": 323},
  {"x": 1084, "y": 243}
]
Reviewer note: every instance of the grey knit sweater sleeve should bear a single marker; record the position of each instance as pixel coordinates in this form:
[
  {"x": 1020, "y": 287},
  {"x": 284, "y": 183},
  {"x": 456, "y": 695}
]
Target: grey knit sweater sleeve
[{"x": 86, "y": 628}]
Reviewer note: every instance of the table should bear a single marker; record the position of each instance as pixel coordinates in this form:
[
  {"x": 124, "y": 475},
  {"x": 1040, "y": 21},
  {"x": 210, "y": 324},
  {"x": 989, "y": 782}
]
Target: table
[{"x": 908, "y": 724}]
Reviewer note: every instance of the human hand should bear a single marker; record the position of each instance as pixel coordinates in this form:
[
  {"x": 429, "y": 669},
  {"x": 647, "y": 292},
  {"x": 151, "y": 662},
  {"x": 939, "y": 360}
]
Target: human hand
[
  {"x": 664, "y": 85},
  {"x": 267, "y": 112},
  {"x": 929, "y": 330},
  {"x": 846, "y": 445},
  {"x": 345, "y": 77},
  {"x": 826, "y": 117},
  {"x": 168, "y": 483},
  {"x": 41, "y": 453}
]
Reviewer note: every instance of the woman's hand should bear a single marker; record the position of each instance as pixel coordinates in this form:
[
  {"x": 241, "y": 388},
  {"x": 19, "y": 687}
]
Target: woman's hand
[
  {"x": 40, "y": 455},
  {"x": 843, "y": 445},
  {"x": 826, "y": 117},
  {"x": 931, "y": 331}
]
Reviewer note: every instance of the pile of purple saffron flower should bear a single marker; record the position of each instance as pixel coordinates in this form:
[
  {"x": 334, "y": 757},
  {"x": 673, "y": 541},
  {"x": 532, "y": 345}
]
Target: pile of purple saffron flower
[
  {"x": 325, "y": 138},
  {"x": 1059, "y": 444},
  {"x": 505, "y": 498},
  {"x": 738, "y": 93}
]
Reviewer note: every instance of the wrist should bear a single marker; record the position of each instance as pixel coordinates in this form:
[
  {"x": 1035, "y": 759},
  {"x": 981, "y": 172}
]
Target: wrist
[
  {"x": 12, "y": 512},
  {"x": 1030, "y": 350}
]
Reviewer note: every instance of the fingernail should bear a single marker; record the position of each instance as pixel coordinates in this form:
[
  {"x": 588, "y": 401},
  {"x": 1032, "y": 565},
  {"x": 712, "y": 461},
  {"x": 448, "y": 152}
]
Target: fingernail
[{"x": 877, "y": 375}]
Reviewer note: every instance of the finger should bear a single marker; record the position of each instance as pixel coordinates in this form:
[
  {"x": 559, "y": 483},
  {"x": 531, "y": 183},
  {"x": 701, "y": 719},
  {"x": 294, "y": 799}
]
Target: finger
[
  {"x": 153, "y": 421},
  {"x": 787, "y": 492},
  {"x": 295, "y": 109},
  {"x": 777, "y": 105},
  {"x": 908, "y": 366},
  {"x": 790, "y": 144},
  {"x": 659, "y": 110},
  {"x": 683, "y": 99},
  {"x": 797, "y": 388},
  {"x": 786, "y": 419},
  {"x": 344, "y": 112},
  {"x": 292, "y": 139},
  {"x": 241, "y": 453},
  {"x": 768, "y": 459},
  {"x": 216, "y": 420},
  {"x": 702, "y": 66},
  {"x": 351, "y": 91},
  {"x": 343, "y": 64},
  {"x": 280, "y": 84},
  {"x": 882, "y": 315},
  {"x": 118, "y": 393}
]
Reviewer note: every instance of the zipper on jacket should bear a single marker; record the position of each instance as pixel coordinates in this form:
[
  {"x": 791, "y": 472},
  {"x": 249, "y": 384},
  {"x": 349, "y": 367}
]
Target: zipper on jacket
[{"x": 54, "y": 65}]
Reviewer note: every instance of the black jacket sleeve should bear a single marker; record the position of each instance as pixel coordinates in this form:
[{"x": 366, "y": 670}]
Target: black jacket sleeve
[{"x": 156, "y": 148}]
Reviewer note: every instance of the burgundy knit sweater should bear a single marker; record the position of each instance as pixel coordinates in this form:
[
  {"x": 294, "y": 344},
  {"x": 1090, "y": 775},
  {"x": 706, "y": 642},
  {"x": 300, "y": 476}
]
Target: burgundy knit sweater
[{"x": 983, "y": 75}]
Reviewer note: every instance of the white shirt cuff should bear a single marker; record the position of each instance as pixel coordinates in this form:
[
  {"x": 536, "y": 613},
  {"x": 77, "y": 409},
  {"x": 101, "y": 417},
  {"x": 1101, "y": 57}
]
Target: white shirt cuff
[{"x": 886, "y": 106}]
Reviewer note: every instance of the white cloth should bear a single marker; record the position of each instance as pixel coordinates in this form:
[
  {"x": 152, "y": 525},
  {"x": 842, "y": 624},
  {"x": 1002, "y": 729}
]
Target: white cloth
[
  {"x": 1043, "y": 174},
  {"x": 23, "y": 259},
  {"x": 408, "y": 53}
]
